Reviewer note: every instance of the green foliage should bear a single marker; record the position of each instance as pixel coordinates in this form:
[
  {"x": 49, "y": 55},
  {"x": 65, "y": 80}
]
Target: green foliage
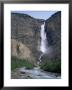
[
  {"x": 52, "y": 66},
  {"x": 17, "y": 63}
]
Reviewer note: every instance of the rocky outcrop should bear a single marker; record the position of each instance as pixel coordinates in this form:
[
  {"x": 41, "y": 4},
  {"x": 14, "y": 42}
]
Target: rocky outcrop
[
  {"x": 26, "y": 30},
  {"x": 19, "y": 50},
  {"x": 53, "y": 33}
]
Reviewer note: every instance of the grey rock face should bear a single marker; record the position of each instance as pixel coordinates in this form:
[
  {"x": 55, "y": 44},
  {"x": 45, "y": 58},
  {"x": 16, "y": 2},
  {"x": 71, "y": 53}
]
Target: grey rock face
[
  {"x": 53, "y": 32},
  {"x": 26, "y": 30}
]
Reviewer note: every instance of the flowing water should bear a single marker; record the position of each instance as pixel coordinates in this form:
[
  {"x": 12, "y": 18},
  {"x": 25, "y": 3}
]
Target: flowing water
[
  {"x": 43, "y": 46},
  {"x": 37, "y": 73},
  {"x": 43, "y": 39}
]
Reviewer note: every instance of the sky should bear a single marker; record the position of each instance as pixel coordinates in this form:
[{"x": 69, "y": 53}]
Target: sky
[{"x": 38, "y": 14}]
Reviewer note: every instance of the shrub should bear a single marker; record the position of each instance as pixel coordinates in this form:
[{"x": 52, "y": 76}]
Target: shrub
[
  {"x": 52, "y": 66},
  {"x": 17, "y": 63}
]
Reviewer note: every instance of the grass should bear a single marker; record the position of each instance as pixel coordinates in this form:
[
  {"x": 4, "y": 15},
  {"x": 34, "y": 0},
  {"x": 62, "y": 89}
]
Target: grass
[
  {"x": 17, "y": 63},
  {"x": 52, "y": 66}
]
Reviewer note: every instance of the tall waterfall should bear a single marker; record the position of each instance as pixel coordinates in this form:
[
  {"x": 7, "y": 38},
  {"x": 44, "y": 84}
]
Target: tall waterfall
[
  {"x": 43, "y": 45},
  {"x": 43, "y": 39}
]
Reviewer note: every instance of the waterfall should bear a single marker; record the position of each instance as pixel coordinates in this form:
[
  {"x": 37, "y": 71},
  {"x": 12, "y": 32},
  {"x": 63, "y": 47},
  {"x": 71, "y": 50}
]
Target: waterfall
[
  {"x": 43, "y": 39},
  {"x": 43, "y": 45}
]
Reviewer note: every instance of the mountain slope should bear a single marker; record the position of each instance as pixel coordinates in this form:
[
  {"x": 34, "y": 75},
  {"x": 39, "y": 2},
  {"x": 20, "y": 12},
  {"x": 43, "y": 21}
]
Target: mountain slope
[{"x": 26, "y": 29}]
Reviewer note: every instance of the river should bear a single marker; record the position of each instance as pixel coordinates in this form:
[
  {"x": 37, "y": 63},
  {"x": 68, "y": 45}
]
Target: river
[{"x": 35, "y": 73}]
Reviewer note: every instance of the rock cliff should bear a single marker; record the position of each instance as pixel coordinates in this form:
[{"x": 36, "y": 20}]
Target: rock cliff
[
  {"x": 26, "y": 30},
  {"x": 53, "y": 33}
]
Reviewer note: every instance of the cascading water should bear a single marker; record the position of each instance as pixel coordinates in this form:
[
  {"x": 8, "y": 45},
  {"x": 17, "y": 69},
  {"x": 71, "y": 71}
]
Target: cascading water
[
  {"x": 43, "y": 46},
  {"x": 43, "y": 39}
]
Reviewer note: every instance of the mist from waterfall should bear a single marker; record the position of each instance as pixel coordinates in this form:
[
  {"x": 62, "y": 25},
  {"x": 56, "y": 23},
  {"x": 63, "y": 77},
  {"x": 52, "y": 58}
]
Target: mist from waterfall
[{"x": 43, "y": 46}]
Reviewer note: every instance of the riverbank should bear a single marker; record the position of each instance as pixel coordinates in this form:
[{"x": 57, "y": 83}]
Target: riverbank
[{"x": 23, "y": 69}]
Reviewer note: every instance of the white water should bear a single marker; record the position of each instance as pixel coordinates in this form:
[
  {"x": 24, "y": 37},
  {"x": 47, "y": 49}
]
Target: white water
[
  {"x": 43, "y": 46},
  {"x": 43, "y": 39},
  {"x": 37, "y": 73}
]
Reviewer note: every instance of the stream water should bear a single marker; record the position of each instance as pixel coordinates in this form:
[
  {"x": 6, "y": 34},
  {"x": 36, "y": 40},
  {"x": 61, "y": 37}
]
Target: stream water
[{"x": 37, "y": 73}]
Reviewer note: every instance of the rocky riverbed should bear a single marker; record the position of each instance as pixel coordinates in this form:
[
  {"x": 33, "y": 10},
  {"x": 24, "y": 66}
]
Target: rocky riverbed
[{"x": 35, "y": 73}]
